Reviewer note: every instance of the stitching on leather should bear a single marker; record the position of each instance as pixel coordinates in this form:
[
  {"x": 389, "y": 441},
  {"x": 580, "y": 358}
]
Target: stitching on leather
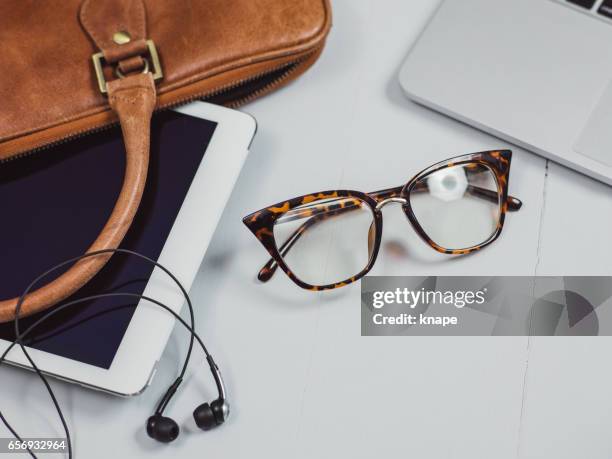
[
  {"x": 139, "y": 97},
  {"x": 131, "y": 88},
  {"x": 134, "y": 87},
  {"x": 142, "y": 22},
  {"x": 87, "y": 24},
  {"x": 129, "y": 100}
]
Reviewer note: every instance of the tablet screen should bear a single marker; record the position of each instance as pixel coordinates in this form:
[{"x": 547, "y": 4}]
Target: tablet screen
[{"x": 56, "y": 202}]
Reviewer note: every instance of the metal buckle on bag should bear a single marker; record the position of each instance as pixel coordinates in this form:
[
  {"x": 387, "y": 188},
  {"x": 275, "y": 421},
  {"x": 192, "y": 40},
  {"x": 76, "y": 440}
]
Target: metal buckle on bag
[{"x": 157, "y": 70}]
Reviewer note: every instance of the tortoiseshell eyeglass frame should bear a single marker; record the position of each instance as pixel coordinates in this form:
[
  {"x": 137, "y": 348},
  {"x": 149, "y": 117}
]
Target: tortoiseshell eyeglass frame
[{"x": 261, "y": 223}]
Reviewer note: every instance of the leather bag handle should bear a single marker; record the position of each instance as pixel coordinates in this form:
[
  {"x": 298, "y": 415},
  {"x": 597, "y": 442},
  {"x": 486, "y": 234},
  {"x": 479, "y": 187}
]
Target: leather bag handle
[{"x": 133, "y": 99}]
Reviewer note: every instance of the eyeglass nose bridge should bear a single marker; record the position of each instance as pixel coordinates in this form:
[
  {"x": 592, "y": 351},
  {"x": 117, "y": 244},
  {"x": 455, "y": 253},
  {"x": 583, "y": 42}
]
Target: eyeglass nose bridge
[{"x": 384, "y": 202}]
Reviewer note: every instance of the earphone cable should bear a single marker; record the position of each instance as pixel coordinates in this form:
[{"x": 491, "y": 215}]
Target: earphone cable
[
  {"x": 20, "y": 336},
  {"x": 65, "y": 306}
]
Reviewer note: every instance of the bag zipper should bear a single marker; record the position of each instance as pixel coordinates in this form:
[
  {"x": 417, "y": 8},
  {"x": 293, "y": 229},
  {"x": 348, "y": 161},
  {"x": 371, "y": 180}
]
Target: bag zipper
[{"x": 248, "y": 89}]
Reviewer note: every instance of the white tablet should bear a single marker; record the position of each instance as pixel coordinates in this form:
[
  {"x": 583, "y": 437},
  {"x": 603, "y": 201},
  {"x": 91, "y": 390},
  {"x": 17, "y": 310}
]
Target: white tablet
[{"x": 59, "y": 199}]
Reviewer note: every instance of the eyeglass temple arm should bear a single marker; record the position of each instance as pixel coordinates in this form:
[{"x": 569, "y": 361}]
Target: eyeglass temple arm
[
  {"x": 268, "y": 270},
  {"x": 513, "y": 203}
]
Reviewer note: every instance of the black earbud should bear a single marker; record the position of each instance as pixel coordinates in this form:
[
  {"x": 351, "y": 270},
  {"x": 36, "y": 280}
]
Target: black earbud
[
  {"x": 209, "y": 415},
  {"x": 162, "y": 428}
]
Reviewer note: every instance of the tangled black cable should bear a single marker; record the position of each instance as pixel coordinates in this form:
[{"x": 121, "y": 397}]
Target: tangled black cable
[{"x": 19, "y": 337}]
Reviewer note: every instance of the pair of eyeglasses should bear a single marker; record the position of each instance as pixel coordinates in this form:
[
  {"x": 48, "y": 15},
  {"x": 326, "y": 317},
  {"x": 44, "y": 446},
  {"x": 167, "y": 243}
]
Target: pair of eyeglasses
[{"x": 329, "y": 239}]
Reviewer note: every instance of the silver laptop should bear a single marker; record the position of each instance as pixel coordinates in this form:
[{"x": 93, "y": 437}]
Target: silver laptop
[{"x": 537, "y": 73}]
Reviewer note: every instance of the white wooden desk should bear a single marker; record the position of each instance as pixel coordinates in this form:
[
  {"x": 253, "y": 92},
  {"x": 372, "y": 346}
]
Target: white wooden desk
[{"x": 303, "y": 382}]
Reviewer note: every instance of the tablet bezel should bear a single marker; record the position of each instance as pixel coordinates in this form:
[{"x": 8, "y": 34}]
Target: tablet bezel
[{"x": 150, "y": 327}]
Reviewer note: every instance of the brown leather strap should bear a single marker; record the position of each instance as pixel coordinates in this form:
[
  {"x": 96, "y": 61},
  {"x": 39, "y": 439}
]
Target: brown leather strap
[
  {"x": 102, "y": 19},
  {"x": 133, "y": 98}
]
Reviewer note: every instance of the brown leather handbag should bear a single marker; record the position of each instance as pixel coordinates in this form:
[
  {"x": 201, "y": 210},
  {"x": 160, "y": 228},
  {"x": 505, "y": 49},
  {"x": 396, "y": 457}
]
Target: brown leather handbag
[{"x": 73, "y": 67}]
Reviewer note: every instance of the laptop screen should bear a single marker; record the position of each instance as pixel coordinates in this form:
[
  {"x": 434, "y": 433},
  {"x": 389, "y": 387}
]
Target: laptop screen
[{"x": 54, "y": 204}]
